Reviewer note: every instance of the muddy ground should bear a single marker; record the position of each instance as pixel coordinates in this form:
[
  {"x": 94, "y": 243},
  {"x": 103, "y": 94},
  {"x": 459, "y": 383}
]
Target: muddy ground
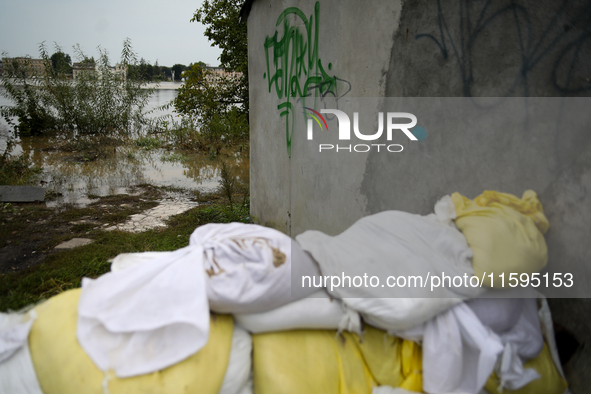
[{"x": 29, "y": 232}]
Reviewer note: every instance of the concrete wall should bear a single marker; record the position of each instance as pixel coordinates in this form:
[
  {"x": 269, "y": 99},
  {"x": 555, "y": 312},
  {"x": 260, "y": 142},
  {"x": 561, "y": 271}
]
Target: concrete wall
[
  {"x": 334, "y": 27},
  {"x": 380, "y": 49}
]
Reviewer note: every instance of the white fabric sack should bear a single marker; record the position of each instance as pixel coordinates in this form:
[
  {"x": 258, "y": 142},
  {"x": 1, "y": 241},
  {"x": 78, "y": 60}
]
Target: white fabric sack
[
  {"x": 153, "y": 313},
  {"x": 522, "y": 341},
  {"x": 317, "y": 312},
  {"x": 246, "y": 279},
  {"x": 17, "y": 373},
  {"x": 147, "y": 317},
  {"x": 394, "y": 243},
  {"x": 460, "y": 352},
  {"x": 237, "y": 379},
  {"x": 249, "y": 268}
]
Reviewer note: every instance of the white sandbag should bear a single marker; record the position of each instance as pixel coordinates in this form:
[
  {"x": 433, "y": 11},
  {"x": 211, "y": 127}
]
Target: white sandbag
[
  {"x": 146, "y": 317},
  {"x": 155, "y": 312},
  {"x": 250, "y": 268},
  {"x": 460, "y": 352},
  {"x": 317, "y": 311},
  {"x": 17, "y": 373},
  {"x": 238, "y": 378},
  {"x": 394, "y": 244},
  {"x": 498, "y": 314}
]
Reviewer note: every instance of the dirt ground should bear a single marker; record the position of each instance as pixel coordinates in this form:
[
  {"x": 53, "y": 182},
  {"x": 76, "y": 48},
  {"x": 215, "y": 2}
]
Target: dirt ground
[{"x": 29, "y": 232}]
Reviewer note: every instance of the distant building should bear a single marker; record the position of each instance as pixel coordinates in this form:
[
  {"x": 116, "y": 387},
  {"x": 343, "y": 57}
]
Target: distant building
[
  {"x": 33, "y": 66},
  {"x": 119, "y": 70},
  {"x": 217, "y": 73},
  {"x": 79, "y": 68},
  {"x": 88, "y": 67}
]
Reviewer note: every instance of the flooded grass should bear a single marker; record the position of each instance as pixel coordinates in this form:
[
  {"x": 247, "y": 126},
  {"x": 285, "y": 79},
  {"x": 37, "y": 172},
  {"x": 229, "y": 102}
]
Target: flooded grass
[{"x": 75, "y": 172}]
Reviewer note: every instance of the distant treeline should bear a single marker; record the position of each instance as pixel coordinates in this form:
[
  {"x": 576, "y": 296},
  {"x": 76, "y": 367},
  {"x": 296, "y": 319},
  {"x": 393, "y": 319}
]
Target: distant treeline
[
  {"x": 143, "y": 70},
  {"x": 147, "y": 72}
]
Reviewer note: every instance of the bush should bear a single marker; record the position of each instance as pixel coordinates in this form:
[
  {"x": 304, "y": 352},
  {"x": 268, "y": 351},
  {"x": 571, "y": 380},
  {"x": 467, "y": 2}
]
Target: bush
[{"x": 99, "y": 101}]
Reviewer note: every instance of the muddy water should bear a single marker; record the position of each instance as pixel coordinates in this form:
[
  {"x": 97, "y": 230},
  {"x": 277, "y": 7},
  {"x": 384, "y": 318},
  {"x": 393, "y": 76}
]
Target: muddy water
[
  {"x": 76, "y": 182},
  {"x": 73, "y": 181}
]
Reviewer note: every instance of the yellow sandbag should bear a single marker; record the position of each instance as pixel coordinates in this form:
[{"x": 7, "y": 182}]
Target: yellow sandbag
[
  {"x": 309, "y": 361},
  {"x": 320, "y": 361},
  {"x": 504, "y": 232},
  {"x": 550, "y": 382},
  {"x": 64, "y": 368},
  {"x": 392, "y": 361},
  {"x": 412, "y": 363}
]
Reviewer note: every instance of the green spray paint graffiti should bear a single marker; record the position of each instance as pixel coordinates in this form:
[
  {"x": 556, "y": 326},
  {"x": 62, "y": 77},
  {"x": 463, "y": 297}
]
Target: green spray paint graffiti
[{"x": 294, "y": 68}]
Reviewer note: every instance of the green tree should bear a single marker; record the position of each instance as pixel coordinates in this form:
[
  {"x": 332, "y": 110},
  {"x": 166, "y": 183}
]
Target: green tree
[
  {"x": 178, "y": 71},
  {"x": 211, "y": 105},
  {"x": 61, "y": 63},
  {"x": 225, "y": 30}
]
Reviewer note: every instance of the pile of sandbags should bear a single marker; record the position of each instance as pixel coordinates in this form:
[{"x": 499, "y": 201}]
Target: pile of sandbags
[{"x": 229, "y": 313}]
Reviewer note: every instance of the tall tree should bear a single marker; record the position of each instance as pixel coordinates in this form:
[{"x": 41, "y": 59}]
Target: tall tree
[
  {"x": 225, "y": 30},
  {"x": 178, "y": 70},
  {"x": 61, "y": 63}
]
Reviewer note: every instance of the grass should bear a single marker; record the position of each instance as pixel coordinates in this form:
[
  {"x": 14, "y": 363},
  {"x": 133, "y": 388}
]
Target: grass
[
  {"x": 17, "y": 170},
  {"x": 149, "y": 143},
  {"x": 64, "y": 270}
]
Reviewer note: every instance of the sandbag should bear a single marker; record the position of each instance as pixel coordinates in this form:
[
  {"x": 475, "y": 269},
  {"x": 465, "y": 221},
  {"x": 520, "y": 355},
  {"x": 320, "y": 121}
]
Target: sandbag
[
  {"x": 394, "y": 244},
  {"x": 505, "y": 232},
  {"x": 238, "y": 377},
  {"x": 250, "y": 268},
  {"x": 130, "y": 320},
  {"x": 62, "y": 366},
  {"x": 317, "y": 311},
  {"x": 310, "y": 361},
  {"x": 550, "y": 382},
  {"x": 17, "y": 374}
]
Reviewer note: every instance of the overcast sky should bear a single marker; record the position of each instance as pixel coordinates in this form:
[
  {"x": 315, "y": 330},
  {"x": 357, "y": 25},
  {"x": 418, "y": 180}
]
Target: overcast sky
[{"x": 158, "y": 30}]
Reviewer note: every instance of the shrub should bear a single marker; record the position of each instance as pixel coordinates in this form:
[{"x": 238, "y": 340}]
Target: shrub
[{"x": 98, "y": 102}]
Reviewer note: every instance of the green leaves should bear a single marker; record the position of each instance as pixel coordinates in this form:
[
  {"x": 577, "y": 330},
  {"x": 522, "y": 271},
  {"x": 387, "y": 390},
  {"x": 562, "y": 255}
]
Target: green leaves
[{"x": 99, "y": 100}]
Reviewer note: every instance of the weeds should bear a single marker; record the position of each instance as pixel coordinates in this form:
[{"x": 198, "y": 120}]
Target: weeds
[
  {"x": 149, "y": 143},
  {"x": 228, "y": 182},
  {"x": 101, "y": 100}
]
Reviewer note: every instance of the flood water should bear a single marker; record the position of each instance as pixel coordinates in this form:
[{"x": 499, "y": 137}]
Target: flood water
[{"x": 75, "y": 182}]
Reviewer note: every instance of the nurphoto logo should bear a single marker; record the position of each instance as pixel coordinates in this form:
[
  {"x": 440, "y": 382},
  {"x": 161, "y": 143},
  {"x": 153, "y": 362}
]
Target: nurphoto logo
[{"x": 393, "y": 124}]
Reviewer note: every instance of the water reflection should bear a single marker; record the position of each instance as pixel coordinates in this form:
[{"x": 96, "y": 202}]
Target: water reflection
[{"x": 125, "y": 167}]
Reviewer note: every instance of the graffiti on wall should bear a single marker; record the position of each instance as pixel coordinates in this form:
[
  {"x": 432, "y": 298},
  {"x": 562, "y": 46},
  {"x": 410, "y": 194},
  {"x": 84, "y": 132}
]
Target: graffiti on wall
[
  {"x": 294, "y": 69},
  {"x": 563, "y": 44}
]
